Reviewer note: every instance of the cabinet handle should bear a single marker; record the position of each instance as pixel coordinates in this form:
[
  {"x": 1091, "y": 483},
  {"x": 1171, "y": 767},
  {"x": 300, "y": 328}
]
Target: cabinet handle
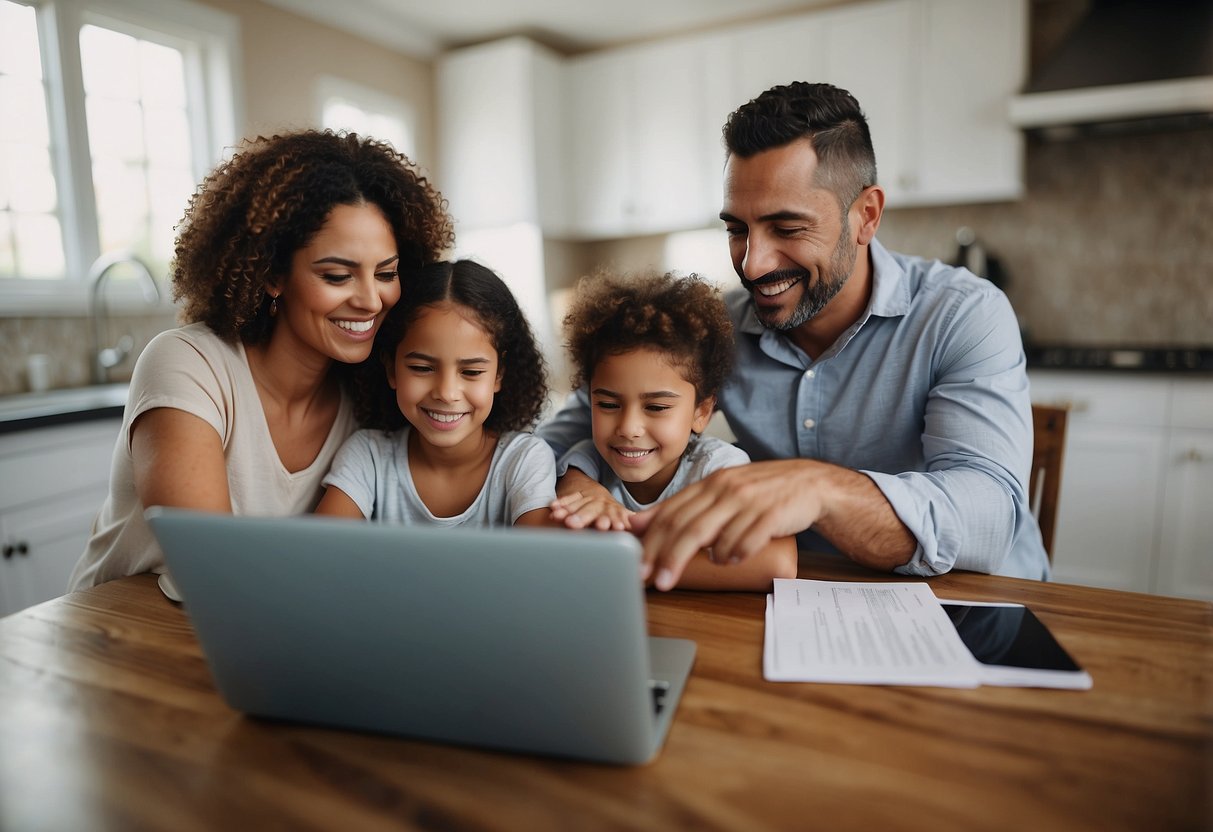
[{"x": 19, "y": 548}]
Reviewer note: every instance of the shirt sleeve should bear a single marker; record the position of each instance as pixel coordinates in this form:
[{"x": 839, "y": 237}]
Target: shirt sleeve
[
  {"x": 174, "y": 372},
  {"x": 965, "y": 508},
  {"x": 569, "y": 426},
  {"x": 354, "y": 471},
  {"x": 530, "y": 478},
  {"x": 584, "y": 457}
]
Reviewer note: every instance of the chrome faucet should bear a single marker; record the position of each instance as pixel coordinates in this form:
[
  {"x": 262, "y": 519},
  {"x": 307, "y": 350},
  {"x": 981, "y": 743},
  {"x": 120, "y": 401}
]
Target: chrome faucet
[{"x": 104, "y": 358}]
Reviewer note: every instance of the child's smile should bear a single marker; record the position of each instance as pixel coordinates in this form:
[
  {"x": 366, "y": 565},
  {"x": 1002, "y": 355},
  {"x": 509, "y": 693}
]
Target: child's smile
[{"x": 643, "y": 414}]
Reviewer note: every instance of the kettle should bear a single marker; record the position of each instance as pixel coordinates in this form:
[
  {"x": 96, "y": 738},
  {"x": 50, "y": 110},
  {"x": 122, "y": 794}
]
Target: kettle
[{"x": 972, "y": 255}]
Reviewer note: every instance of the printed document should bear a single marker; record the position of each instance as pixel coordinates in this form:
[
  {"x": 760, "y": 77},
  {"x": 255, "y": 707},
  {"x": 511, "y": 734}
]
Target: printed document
[{"x": 863, "y": 633}]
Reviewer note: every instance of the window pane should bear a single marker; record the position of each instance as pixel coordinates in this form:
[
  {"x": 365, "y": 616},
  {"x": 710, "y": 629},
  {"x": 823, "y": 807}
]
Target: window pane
[
  {"x": 27, "y": 182},
  {"x": 168, "y": 137},
  {"x": 39, "y": 246},
  {"x": 23, "y": 110},
  {"x": 122, "y": 208},
  {"x": 162, "y": 74},
  {"x": 115, "y": 129},
  {"x": 139, "y": 135},
  {"x": 19, "y": 42},
  {"x": 109, "y": 61}
]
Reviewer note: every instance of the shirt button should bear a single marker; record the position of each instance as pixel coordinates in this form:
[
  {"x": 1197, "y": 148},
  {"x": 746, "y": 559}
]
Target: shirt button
[
  {"x": 809, "y": 423},
  {"x": 810, "y": 373}
]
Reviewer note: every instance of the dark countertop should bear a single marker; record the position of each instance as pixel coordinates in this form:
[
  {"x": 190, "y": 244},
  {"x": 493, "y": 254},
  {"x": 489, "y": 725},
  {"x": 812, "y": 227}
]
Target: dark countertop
[
  {"x": 25, "y": 411},
  {"x": 1178, "y": 360}
]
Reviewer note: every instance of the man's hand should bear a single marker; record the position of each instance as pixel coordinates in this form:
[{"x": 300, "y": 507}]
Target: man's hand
[
  {"x": 736, "y": 512},
  {"x": 582, "y": 503}
]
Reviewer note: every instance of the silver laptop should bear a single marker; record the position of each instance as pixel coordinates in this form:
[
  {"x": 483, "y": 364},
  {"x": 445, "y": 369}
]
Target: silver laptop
[{"x": 527, "y": 640}]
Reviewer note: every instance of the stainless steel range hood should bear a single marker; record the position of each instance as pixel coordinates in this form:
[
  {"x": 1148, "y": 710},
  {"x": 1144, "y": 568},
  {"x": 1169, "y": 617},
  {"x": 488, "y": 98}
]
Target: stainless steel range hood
[{"x": 1127, "y": 62}]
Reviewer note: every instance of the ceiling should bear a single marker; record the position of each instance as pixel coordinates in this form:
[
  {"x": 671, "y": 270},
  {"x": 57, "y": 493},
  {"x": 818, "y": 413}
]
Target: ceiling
[{"x": 425, "y": 28}]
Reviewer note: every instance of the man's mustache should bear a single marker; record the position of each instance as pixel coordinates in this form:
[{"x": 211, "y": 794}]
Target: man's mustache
[{"x": 774, "y": 277}]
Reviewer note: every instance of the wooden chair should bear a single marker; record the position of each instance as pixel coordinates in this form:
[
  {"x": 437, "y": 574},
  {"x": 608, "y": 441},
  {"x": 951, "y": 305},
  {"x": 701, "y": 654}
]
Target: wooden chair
[{"x": 1044, "y": 480}]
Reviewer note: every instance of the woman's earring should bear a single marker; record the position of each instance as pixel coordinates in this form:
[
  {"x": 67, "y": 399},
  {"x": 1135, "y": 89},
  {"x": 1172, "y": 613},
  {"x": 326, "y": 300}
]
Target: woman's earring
[{"x": 273, "y": 306}]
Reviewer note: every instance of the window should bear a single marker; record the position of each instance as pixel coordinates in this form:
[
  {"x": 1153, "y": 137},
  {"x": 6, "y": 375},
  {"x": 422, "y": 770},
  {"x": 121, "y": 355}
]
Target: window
[
  {"x": 357, "y": 109},
  {"x": 112, "y": 111}
]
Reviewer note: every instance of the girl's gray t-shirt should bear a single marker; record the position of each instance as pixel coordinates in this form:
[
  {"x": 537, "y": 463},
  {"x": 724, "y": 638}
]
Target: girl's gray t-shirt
[{"x": 372, "y": 468}]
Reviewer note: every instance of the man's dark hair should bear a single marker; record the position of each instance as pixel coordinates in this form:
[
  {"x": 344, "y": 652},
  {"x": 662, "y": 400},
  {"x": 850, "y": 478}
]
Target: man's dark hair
[{"x": 827, "y": 116}]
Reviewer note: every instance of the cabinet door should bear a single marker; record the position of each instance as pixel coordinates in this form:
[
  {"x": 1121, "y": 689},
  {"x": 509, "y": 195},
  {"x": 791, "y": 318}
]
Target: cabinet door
[
  {"x": 52, "y": 481},
  {"x": 600, "y": 144},
  {"x": 871, "y": 51},
  {"x": 1108, "y": 509},
  {"x": 776, "y": 52},
  {"x": 50, "y": 537},
  {"x": 671, "y": 137},
  {"x": 973, "y": 62},
  {"x": 1185, "y": 562},
  {"x": 499, "y": 115}
]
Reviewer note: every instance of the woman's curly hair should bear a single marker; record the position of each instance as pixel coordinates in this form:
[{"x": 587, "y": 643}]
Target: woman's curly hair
[
  {"x": 479, "y": 291},
  {"x": 254, "y": 211},
  {"x": 682, "y": 317}
]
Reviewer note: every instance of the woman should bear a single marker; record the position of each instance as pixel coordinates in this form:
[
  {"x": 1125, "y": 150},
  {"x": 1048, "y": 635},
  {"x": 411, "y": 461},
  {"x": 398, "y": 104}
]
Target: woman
[{"x": 287, "y": 260}]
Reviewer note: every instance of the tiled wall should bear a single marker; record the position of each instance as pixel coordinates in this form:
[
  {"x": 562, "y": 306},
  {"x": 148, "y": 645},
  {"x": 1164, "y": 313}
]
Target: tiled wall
[
  {"x": 68, "y": 342},
  {"x": 1112, "y": 244}
]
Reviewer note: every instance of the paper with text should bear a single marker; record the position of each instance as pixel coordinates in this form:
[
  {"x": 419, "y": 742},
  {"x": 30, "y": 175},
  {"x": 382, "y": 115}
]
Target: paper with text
[{"x": 862, "y": 633}]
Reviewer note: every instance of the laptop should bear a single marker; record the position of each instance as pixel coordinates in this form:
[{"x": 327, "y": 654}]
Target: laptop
[{"x": 528, "y": 640}]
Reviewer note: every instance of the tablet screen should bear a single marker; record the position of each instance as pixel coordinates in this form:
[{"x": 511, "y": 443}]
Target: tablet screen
[{"x": 1008, "y": 636}]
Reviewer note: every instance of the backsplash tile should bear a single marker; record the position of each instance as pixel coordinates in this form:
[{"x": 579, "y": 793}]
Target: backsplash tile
[
  {"x": 68, "y": 342},
  {"x": 1112, "y": 244}
]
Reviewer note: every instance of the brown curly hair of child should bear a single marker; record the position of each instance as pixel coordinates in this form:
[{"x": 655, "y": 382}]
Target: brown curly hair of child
[
  {"x": 254, "y": 211},
  {"x": 681, "y": 317}
]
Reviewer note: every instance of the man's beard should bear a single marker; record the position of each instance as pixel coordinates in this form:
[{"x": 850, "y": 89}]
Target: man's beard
[{"x": 814, "y": 296}]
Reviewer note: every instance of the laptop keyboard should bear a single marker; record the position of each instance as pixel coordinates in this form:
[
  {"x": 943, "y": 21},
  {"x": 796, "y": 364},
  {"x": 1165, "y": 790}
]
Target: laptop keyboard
[{"x": 659, "y": 689}]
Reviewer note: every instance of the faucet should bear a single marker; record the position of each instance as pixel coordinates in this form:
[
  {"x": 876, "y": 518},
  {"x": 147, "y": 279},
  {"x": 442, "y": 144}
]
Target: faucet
[{"x": 103, "y": 358}]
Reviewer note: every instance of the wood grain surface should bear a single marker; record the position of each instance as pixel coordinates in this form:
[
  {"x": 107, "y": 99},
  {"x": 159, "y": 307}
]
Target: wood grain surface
[{"x": 109, "y": 720}]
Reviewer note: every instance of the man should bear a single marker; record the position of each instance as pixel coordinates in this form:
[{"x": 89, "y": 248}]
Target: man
[{"x": 883, "y": 397}]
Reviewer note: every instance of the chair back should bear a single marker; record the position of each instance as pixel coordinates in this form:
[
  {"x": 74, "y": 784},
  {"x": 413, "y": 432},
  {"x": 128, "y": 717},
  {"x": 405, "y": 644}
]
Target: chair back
[{"x": 1044, "y": 481}]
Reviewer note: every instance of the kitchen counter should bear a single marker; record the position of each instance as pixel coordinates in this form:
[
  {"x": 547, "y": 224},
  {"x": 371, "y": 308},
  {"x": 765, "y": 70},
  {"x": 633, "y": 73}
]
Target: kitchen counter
[
  {"x": 56, "y": 407},
  {"x": 1180, "y": 360}
]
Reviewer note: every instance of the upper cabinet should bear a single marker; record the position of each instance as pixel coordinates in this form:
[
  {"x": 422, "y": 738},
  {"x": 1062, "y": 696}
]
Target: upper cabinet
[
  {"x": 501, "y": 123},
  {"x": 627, "y": 141},
  {"x": 644, "y": 137}
]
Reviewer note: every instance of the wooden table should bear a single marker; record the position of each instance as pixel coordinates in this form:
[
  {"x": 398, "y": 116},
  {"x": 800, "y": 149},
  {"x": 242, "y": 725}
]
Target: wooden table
[{"x": 109, "y": 720}]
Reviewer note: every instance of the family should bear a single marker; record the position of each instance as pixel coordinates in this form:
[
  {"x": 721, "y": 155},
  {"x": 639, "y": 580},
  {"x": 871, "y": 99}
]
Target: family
[{"x": 334, "y": 362}]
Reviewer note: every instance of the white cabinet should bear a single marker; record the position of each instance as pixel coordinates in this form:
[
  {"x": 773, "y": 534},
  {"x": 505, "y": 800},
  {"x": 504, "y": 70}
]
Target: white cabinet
[
  {"x": 500, "y": 109},
  {"x": 627, "y": 141},
  {"x": 1185, "y": 565},
  {"x": 1137, "y": 481},
  {"x": 933, "y": 78},
  {"x": 52, "y": 481},
  {"x": 644, "y": 140},
  {"x": 973, "y": 61}
]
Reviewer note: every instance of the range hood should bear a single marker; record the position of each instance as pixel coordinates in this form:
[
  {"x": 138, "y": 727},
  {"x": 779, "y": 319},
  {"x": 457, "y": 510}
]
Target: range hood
[{"x": 1127, "y": 63}]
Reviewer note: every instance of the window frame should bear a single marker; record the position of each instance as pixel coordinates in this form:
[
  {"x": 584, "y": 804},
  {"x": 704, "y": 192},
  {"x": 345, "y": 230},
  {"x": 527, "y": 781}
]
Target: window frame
[{"x": 209, "y": 40}]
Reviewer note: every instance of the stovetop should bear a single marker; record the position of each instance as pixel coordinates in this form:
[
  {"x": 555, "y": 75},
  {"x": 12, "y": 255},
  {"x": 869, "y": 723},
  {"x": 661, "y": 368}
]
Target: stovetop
[{"x": 1144, "y": 359}]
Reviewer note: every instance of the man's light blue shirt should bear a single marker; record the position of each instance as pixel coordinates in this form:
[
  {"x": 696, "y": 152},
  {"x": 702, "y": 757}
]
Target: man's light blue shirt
[{"x": 926, "y": 394}]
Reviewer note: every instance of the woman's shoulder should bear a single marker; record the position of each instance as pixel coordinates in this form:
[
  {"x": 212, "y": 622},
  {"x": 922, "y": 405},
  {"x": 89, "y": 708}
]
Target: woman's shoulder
[{"x": 197, "y": 337}]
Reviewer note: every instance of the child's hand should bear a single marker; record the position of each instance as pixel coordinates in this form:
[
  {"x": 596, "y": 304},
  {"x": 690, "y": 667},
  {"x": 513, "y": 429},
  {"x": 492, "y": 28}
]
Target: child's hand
[{"x": 585, "y": 511}]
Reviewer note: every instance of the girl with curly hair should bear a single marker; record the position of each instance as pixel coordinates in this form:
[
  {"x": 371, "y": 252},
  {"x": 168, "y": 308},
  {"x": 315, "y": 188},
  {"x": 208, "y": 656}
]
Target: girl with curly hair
[
  {"x": 287, "y": 261},
  {"x": 447, "y": 444},
  {"x": 654, "y": 351}
]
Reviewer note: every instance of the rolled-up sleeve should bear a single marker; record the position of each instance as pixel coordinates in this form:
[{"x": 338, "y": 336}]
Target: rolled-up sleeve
[{"x": 967, "y": 507}]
